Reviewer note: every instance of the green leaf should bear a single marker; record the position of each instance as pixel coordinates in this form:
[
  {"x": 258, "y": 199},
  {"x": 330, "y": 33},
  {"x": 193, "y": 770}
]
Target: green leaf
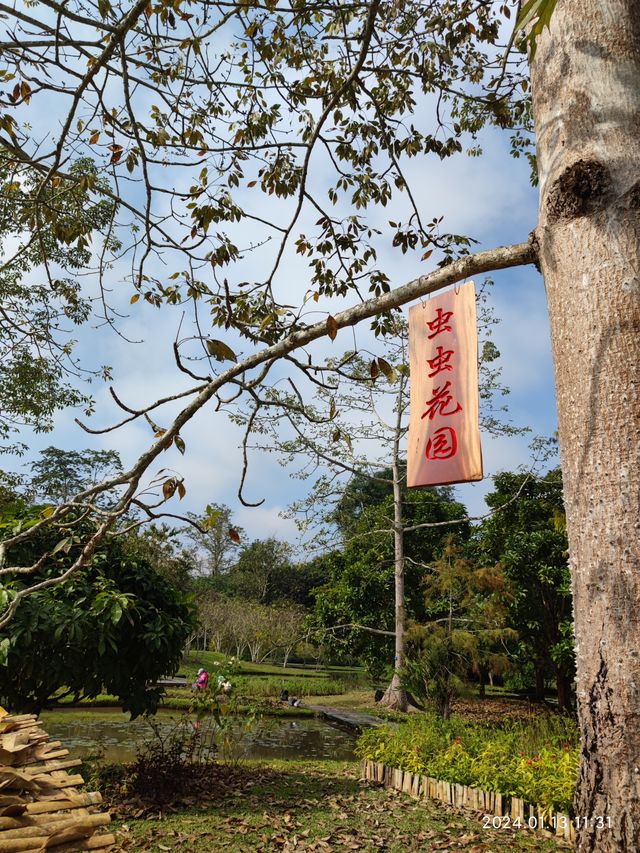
[
  {"x": 537, "y": 14},
  {"x": 220, "y": 351},
  {"x": 528, "y": 12},
  {"x": 63, "y": 545}
]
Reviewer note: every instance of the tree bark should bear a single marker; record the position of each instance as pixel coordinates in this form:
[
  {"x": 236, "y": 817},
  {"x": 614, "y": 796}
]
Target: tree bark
[
  {"x": 395, "y": 696},
  {"x": 482, "y": 685},
  {"x": 539, "y": 687},
  {"x": 563, "y": 689},
  {"x": 586, "y": 102}
]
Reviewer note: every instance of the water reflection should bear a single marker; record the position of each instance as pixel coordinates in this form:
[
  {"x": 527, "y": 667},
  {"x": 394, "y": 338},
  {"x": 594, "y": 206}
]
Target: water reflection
[{"x": 85, "y": 733}]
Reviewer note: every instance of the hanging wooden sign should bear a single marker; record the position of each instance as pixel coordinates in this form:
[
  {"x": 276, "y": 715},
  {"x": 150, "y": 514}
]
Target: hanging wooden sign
[{"x": 444, "y": 434}]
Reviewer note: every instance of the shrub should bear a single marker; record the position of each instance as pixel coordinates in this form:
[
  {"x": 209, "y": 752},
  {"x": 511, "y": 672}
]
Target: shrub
[
  {"x": 513, "y": 760},
  {"x": 296, "y": 686}
]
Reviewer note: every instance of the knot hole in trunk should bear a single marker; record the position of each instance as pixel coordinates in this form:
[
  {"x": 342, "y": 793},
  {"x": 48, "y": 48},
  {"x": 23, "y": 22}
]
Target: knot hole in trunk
[{"x": 582, "y": 189}]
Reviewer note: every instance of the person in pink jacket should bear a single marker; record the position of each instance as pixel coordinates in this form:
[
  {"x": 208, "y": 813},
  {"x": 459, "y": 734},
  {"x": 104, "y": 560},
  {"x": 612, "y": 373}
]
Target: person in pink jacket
[{"x": 202, "y": 681}]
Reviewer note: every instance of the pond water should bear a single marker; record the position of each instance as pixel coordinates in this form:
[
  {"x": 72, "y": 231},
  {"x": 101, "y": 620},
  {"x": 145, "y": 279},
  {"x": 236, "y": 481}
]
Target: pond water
[{"x": 110, "y": 731}]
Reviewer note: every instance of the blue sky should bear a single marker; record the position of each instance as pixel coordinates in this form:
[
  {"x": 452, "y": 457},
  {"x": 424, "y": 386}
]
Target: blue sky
[{"x": 489, "y": 198}]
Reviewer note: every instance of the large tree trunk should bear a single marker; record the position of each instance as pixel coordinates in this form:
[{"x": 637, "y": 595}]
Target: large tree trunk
[
  {"x": 539, "y": 686},
  {"x": 563, "y": 689},
  {"x": 586, "y": 88},
  {"x": 395, "y": 697}
]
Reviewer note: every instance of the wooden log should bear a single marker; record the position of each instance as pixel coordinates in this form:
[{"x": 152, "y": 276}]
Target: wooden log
[
  {"x": 49, "y": 766},
  {"x": 54, "y": 781},
  {"x": 69, "y": 845},
  {"x": 52, "y": 824},
  {"x": 79, "y": 815},
  {"x": 499, "y": 806},
  {"x": 54, "y": 744},
  {"x": 51, "y": 755},
  {"x": 424, "y": 787},
  {"x": 415, "y": 788},
  {"x": 17, "y": 718},
  {"x": 407, "y": 782},
  {"x": 96, "y": 842},
  {"x": 513, "y": 812}
]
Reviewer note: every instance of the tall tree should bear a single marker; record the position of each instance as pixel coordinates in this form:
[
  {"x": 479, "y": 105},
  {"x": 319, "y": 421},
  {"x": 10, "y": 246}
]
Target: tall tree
[
  {"x": 262, "y": 571},
  {"x": 58, "y": 475},
  {"x": 38, "y": 370},
  {"x": 528, "y": 539},
  {"x": 216, "y": 540},
  {"x": 465, "y": 628},
  {"x": 160, "y": 546},
  {"x": 267, "y": 96},
  {"x": 355, "y": 609},
  {"x": 586, "y": 79}
]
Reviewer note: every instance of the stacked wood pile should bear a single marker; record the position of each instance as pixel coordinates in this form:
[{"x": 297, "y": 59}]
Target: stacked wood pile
[{"x": 40, "y": 805}]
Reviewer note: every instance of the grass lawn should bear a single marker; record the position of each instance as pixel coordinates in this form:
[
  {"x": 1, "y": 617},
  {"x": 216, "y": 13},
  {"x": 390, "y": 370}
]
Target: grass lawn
[{"x": 321, "y": 806}]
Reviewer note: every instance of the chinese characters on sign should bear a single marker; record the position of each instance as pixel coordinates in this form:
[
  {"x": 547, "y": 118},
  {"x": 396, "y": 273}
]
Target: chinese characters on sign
[{"x": 444, "y": 436}]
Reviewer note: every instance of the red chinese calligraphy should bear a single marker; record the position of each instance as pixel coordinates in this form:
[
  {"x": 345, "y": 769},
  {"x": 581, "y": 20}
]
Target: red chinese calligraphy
[
  {"x": 444, "y": 440},
  {"x": 440, "y": 323},
  {"x": 443, "y": 444},
  {"x": 438, "y": 404},
  {"x": 440, "y": 361}
]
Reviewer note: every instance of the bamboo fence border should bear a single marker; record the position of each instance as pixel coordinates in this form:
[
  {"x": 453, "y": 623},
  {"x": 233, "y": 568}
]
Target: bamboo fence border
[{"x": 471, "y": 799}]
